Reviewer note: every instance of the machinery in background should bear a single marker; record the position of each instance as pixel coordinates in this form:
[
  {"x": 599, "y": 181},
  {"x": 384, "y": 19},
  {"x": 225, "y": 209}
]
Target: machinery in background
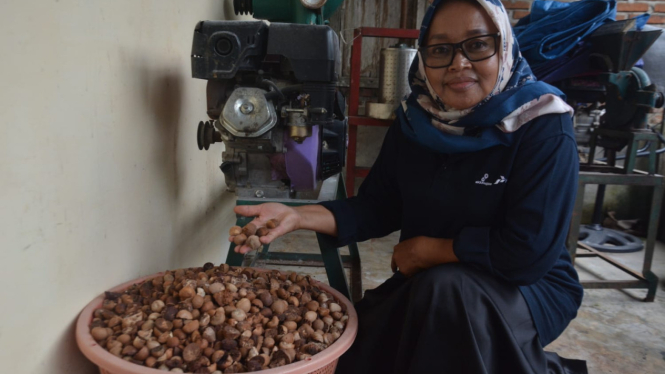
[
  {"x": 612, "y": 99},
  {"x": 615, "y": 95},
  {"x": 612, "y": 105},
  {"x": 272, "y": 97}
]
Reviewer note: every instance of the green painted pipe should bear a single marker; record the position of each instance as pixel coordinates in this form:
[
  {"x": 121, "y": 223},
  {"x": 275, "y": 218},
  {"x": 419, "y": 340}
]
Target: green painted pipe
[
  {"x": 275, "y": 10},
  {"x": 292, "y": 11},
  {"x": 330, "y": 8}
]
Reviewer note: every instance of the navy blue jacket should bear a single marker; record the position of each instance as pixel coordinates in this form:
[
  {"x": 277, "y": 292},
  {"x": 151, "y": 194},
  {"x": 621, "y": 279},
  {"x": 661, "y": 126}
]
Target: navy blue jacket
[{"x": 507, "y": 210}]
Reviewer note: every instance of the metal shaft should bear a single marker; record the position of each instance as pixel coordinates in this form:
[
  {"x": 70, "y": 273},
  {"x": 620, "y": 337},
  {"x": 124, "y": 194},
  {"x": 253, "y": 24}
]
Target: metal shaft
[{"x": 598, "y": 207}]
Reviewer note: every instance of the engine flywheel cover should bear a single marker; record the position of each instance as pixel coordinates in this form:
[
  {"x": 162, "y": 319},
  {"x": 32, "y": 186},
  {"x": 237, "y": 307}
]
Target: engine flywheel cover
[{"x": 248, "y": 114}]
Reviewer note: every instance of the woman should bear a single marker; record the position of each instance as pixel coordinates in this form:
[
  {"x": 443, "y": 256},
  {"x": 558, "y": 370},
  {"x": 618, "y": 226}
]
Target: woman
[{"x": 479, "y": 173}]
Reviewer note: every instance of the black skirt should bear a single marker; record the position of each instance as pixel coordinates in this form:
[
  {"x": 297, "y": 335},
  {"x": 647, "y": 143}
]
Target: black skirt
[{"x": 448, "y": 319}]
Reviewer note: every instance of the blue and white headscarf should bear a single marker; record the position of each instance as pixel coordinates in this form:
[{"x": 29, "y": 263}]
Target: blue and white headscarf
[{"x": 516, "y": 99}]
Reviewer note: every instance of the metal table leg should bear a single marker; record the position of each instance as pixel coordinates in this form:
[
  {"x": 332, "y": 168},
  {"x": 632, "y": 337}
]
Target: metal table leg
[
  {"x": 605, "y": 175},
  {"x": 574, "y": 232},
  {"x": 333, "y": 264},
  {"x": 356, "y": 275},
  {"x": 656, "y": 203}
]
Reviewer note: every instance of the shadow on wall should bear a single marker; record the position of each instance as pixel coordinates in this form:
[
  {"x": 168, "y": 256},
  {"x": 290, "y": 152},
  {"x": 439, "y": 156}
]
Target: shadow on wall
[
  {"x": 65, "y": 356},
  {"x": 209, "y": 222},
  {"x": 162, "y": 93},
  {"x": 227, "y": 11}
]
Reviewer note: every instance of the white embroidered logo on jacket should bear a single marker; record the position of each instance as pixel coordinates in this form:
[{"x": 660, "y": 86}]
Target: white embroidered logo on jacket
[{"x": 484, "y": 182}]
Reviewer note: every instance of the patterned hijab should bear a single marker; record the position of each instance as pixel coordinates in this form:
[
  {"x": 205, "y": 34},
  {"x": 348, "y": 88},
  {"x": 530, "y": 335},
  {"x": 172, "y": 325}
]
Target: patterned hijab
[{"x": 516, "y": 98}]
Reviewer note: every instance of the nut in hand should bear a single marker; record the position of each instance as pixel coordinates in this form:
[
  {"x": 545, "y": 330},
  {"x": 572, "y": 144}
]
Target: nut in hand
[
  {"x": 240, "y": 239},
  {"x": 249, "y": 229},
  {"x": 235, "y": 230},
  {"x": 254, "y": 242},
  {"x": 263, "y": 231}
]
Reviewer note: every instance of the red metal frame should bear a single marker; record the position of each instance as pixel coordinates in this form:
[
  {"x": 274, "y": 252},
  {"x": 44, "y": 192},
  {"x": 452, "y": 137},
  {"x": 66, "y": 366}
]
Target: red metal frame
[{"x": 354, "y": 97}]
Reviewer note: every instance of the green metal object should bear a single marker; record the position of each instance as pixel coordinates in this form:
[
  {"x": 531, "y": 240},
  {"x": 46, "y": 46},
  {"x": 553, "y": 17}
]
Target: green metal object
[
  {"x": 633, "y": 140},
  {"x": 289, "y": 11},
  {"x": 608, "y": 174},
  {"x": 630, "y": 98},
  {"x": 329, "y": 258},
  {"x": 645, "y": 279}
]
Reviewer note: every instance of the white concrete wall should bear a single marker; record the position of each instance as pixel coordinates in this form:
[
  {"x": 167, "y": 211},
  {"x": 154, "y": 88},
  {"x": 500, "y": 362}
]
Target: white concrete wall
[{"x": 100, "y": 177}]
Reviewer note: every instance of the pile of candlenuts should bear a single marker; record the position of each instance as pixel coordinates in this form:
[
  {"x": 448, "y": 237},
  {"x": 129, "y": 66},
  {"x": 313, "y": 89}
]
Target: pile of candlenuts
[{"x": 219, "y": 319}]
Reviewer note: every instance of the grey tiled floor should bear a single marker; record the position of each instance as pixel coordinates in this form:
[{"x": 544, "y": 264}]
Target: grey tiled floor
[{"x": 615, "y": 331}]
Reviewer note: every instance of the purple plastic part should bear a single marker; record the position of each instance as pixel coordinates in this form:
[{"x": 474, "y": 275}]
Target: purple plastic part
[
  {"x": 278, "y": 165},
  {"x": 302, "y": 161}
]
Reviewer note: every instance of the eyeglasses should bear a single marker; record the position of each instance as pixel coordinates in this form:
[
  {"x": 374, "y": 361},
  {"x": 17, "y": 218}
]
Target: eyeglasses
[{"x": 474, "y": 49}]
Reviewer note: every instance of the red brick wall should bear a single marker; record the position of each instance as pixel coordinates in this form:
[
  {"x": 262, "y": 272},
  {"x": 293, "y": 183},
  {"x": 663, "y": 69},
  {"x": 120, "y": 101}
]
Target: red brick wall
[{"x": 625, "y": 9}]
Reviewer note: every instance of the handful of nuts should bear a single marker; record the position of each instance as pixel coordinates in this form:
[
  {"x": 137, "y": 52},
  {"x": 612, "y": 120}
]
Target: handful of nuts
[
  {"x": 219, "y": 320},
  {"x": 250, "y": 234}
]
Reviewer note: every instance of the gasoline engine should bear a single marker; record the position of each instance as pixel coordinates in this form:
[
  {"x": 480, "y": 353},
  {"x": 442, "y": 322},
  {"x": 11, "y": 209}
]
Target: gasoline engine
[{"x": 272, "y": 97}]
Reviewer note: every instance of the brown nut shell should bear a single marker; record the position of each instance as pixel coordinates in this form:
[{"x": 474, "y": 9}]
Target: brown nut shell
[
  {"x": 254, "y": 242},
  {"x": 272, "y": 223},
  {"x": 192, "y": 352},
  {"x": 249, "y": 229},
  {"x": 240, "y": 239}
]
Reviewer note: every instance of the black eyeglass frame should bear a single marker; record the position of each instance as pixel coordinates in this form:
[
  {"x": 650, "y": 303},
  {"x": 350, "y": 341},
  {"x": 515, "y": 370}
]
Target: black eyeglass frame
[{"x": 459, "y": 45}]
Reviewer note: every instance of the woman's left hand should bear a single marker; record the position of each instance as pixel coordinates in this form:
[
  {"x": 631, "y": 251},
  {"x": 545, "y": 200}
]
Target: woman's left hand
[{"x": 420, "y": 253}]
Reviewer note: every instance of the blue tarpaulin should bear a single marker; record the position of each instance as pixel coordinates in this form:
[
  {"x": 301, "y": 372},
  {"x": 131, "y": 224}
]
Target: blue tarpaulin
[{"x": 555, "y": 28}]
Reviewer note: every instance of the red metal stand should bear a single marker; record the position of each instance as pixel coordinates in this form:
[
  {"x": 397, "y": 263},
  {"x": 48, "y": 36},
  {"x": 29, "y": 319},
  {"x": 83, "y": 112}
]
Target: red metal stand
[{"x": 354, "y": 97}]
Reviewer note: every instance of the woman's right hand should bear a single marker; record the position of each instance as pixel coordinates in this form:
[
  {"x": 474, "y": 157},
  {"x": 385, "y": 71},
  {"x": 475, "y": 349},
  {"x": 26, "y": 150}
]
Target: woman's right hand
[{"x": 288, "y": 220}]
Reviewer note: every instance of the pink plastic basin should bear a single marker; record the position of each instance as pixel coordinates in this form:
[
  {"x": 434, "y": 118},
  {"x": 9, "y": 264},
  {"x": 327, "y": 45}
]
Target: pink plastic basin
[{"x": 324, "y": 362}]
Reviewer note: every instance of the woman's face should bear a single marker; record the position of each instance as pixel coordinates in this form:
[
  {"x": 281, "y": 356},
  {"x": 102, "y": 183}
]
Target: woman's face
[{"x": 463, "y": 84}]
